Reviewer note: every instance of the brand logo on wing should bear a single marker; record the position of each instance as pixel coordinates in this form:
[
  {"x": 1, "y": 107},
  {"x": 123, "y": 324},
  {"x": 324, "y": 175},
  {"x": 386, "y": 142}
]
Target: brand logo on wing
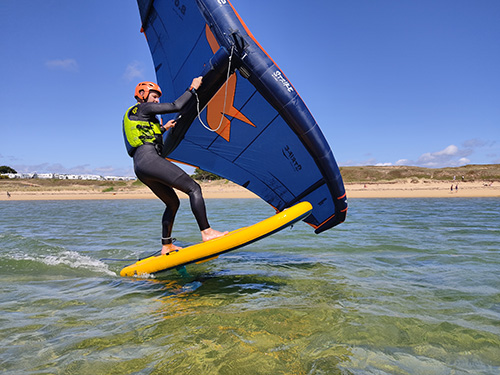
[
  {"x": 288, "y": 154},
  {"x": 278, "y": 76},
  {"x": 179, "y": 7}
]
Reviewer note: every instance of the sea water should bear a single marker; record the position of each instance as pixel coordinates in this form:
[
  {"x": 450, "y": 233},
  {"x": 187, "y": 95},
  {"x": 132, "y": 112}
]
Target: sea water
[{"x": 404, "y": 286}]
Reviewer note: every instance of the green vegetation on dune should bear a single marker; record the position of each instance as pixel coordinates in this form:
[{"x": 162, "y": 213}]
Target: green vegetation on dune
[
  {"x": 370, "y": 174},
  {"x": 38, "y": 184},
  {"x": 350, "y": 175}
]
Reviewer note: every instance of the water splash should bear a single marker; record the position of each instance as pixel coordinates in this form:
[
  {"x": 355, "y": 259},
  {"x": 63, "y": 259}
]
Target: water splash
[{"x": 22, "y": 255}]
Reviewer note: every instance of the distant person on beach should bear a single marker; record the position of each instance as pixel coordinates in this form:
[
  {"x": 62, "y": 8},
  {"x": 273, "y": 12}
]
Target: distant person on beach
[
  {"x": 144, "y": 141},
  {"x": 8, "y": 195}
]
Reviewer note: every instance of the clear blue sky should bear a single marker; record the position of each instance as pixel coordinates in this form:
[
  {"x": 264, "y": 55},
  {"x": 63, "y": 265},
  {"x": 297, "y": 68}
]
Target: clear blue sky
[{"x": 389, "y": 82}]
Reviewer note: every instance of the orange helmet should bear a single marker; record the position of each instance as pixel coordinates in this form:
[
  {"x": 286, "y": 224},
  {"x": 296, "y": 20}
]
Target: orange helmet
[{"x": 146, "y": 87}]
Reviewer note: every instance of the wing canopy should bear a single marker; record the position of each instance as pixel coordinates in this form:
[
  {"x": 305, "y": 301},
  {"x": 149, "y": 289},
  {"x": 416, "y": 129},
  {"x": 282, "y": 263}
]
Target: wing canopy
[{"x": 247, "y": 122}]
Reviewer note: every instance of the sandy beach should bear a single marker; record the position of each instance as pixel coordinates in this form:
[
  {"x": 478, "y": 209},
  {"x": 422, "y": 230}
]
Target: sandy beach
[
  {"x": 228, "y": 190},
  {"x": 476, "y": 189}
]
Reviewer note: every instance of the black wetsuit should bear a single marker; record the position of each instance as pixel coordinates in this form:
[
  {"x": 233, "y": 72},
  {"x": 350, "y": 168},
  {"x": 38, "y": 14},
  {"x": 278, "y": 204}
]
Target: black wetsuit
[{"x": 161, "y": 175}]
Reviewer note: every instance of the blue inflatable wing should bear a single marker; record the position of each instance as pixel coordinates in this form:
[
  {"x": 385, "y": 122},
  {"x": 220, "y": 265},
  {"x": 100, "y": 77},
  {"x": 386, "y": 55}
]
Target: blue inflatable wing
[{"x": 247, "y": 122}]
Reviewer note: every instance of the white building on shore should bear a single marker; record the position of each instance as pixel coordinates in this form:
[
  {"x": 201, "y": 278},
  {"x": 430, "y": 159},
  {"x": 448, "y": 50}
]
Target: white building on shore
[{"x": 65, "y": 176}]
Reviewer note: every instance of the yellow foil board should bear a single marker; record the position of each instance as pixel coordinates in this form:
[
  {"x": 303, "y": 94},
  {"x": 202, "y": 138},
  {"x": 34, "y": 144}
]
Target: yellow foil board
[{"x": 209, "y": 250}]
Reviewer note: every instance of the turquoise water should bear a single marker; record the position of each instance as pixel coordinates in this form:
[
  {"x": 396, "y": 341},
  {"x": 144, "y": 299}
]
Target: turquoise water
[{"x": 405, "y": 286}]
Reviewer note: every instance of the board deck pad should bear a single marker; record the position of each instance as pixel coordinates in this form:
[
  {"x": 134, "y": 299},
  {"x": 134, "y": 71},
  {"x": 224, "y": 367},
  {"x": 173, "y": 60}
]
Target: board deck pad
[{"x": 205, "y": 251}]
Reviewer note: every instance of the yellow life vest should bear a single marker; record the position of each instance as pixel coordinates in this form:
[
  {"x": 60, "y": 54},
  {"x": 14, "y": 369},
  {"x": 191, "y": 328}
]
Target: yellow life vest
[{"x": 136, "y": 133}]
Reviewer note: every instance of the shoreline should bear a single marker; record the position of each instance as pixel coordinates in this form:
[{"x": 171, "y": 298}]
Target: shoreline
[{"x": 218, "y": 190}]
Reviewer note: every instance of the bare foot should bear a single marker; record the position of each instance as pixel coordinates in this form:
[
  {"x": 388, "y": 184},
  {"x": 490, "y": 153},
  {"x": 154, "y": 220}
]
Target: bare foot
[
  {"x": 169, "y": 248},
  {"x": 209, "y": 234}
]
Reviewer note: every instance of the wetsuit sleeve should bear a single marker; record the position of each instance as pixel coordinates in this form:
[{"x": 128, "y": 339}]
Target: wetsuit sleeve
[{"x": 162, "y": 108}]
